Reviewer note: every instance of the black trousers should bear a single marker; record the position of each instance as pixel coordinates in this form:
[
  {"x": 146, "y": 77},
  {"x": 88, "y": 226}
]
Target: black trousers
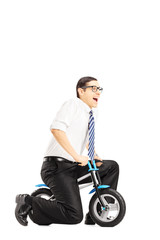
[{"x": 61, "y": 177}]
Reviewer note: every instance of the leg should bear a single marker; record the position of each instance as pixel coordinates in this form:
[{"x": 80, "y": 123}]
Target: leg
[
  {"x": 108, "y": 171},
  {"x": 67, "y": 208}
]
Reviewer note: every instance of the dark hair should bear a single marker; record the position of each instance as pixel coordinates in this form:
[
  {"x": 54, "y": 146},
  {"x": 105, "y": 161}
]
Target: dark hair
[{"x": 82, "y": 82}]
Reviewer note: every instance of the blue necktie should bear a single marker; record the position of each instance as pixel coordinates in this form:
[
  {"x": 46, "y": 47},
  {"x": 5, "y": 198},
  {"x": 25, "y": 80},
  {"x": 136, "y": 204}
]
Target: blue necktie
[{"x": 91, "y": 136}]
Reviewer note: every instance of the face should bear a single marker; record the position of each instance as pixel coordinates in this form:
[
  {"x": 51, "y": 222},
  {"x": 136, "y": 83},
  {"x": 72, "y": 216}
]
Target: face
[{"x": 88, "y": 96}]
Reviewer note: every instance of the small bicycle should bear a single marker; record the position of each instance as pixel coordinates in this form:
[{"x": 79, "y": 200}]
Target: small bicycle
[{"x": 107, "y": 207}]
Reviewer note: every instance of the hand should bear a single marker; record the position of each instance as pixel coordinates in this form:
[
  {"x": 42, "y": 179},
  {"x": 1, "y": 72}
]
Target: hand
[
  {"x": 81, "y": 160},
  {"x": 98, "y": 164}
]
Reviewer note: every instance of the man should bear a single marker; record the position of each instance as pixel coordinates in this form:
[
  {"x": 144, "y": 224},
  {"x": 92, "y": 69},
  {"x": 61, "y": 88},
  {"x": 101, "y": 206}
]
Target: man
[{"x": 64, "y": 163}]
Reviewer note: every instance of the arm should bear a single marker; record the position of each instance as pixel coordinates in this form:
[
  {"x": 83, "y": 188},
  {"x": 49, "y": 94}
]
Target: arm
[{"x": 62, "y": 139}]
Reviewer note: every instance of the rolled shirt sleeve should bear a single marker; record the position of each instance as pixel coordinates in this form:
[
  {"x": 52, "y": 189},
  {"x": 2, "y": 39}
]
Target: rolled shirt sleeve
[{"x": 64, "y": 116}]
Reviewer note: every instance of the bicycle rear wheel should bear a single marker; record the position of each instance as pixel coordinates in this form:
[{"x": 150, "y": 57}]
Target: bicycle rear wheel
[{"x": 42, "y": 193}]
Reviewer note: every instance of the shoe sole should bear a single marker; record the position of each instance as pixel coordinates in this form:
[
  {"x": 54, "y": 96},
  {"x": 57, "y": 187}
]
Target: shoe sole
[{"x": 20, "y": 201}]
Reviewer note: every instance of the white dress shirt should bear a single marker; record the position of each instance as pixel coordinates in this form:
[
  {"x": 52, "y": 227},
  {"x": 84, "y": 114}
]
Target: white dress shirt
[{"x": 73, "y": 119}]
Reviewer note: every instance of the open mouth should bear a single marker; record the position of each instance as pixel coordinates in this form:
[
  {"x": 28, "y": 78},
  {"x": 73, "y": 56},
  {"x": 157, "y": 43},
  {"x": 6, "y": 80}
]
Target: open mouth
[{"x": 95, "y": 99}]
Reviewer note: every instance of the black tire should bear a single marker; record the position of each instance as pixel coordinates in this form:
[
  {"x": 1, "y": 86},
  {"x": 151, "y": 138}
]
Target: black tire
[
  {"x": 114, "y": 199},
  {"x": 43, "y": 193}
]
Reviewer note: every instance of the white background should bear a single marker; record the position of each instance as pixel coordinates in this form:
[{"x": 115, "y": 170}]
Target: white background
[{"x": 46, "y": 46}]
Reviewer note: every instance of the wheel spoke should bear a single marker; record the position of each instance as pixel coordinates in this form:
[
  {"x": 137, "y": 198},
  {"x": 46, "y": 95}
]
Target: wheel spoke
[{"x": 104, "y": 200}]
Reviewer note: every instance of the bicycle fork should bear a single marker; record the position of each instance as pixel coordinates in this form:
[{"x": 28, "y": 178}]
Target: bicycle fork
[{"x": 97, "y": 184}]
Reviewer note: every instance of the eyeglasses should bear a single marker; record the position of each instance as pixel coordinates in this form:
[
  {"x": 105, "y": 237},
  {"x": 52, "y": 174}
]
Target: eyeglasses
[{"x": 94, "y": 88}]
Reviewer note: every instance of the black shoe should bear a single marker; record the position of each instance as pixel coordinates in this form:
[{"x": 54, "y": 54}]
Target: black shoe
[
  {"x": 88, "y": 220},
  {"x": 22, "y": 209}
]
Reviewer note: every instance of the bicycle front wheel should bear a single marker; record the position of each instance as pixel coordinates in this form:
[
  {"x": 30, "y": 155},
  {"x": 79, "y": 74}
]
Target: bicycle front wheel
[{"x": 115, "y": 208}]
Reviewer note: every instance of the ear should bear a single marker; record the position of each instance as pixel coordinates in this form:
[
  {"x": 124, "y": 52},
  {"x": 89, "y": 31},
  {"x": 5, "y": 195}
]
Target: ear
[{"x": 80, "y": 91}]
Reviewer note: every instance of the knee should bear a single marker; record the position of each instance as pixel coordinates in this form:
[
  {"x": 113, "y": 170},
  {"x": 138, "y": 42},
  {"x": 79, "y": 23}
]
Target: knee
[
  {"x": 115, "y": 165},
  {"x": 112, "y": 165},
  {"x": 76, "y": 218}
]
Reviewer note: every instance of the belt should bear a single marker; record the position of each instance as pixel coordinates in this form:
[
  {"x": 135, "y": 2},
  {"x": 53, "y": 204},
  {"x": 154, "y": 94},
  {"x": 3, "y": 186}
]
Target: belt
[{"x": 59, "y": 159}]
